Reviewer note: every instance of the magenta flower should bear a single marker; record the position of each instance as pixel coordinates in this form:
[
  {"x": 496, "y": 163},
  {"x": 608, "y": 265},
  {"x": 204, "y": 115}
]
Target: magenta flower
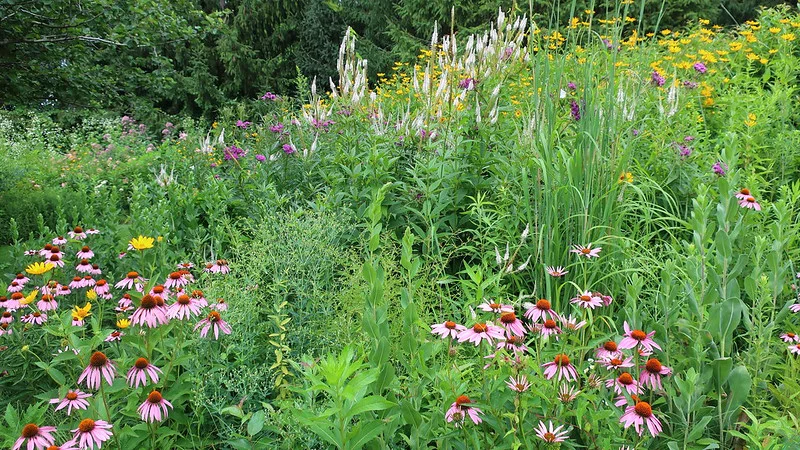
[
  {"x": 14, "y": 287},
  {"x": 541, "y": 310},
  {"x": 549, "y": 327},
  {"x": 151, "y": 312},
  {"x": 587, "y": 300},
  {"x": 35, "y": 318},
  {"x": 60, "y": 240},
  {"x": 37, "y": 437},
  {"x": 261, "y": 158},
  {"x": 459, "y": 411},
  {"x": 512, "y": 324},
  {"x": 114, "y": 336},
  {"x": 99, "y": 367},
  {"x": 184, "y": 307},
  {"x": 794, "y": 349},
  {"x": 242, "y": 124},
  {"x": 91, "y": 433},
  {"x": 560, "y": 366},
  {"x": 750, "y": 202},
  {"x": 787, "y": 337},
  {"x": 85, "y": 253},
  {"x": 743, "y": 194},
  {"x": 700, "y": 67},
  {"x": 637, "y": 337},
  {"x": 586, "y": 251},
  {"x": 556, "y": 271},
  {"x": 84, "y": 266},
  {"x": 519, "y": 384},
  {"x": 720, "y": 168},
  {"x": 638, "y": 415},
  {"x": 233, "y": 153},
  {"x": 624, "y": 383},
  {"x": 154, "y": 408},
  {"x": 572, "y": 324},
  {"x": 616, "y": 363},
  {"x": 550, "y": 434},
  {"x": 481, "y": 331},
  {"x": 139, "y": 372},
  {"x": 289, "y": 149},
  {"x": 77, "y": 233},
  {"x": 130, "y": 280},
  {"x": 496, "y": 308},
  {"x": 575, "y": 110},
  {"x": 657, "y": 79},
  {"x": 513, "y": 344},
  {"x": 74, "y": 399},
  {"x": 795, "y": 308},
  {"x": 214, "y": 320},
  {"x": 652, "y": 373},
  {"x": 447, "y": 328}
]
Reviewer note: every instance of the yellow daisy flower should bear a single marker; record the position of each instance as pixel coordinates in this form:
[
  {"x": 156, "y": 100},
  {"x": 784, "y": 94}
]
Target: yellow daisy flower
[
  {"x": 123, "y": 323},
  {"x": 39, "y": 268},
  {"x": 142, "y": 242}
]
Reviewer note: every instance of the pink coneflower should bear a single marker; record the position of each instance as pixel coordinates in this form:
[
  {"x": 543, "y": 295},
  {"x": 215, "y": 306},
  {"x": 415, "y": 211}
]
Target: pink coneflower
[
  {"x": 101, "y": 287},
  {"x": 572, "y": 324},
  {"x": 219, "y": 266},
  {"x": 743, "y": 194},
  {"x": 214, "y": 320},
  {"x": 519, "y": 384},
  {"x": 88, "y": 281},
  {"x": 130, "y": 281},
  {"x": 567, "y": 393},
  {"x": 481, "y": 331},
  {"x": 221, "y": 305},
  {"x": 62, "y": 291},
  {"x": 795, "y": 308},
  {"x": 652, "y": 373},
  {"x": 95, "y": 270},
  {"x": 200, "y": 298},
  {"x": 21, "y": 279},
  {"x": 794, "y": 349},
  {"x": 606, "y": 299},
  {"x": 91, "y": 433},
  {"x": 556, "y": 271},
  {"x": 154, "y": 409},
  {"x": 84, "y": 266},
  {"x": 460, "y": 410},
  {"x": 99, "y": 367},
  {"x": 121, "y": 255},
  {"x": 35, "y": 318},
  {"x": 637, "y": 337},
  {"x": 55, "y": 259},
  {"x": 616, "y": 363},
  {"x": 550, "y": 434},
  {"x": 561, "y": 366},
  {"x": 37, "y": 437},
  {"x": 624, "y": 383},
  {"x": 512, "y": 324},
  {"x": 186, "y": 266},
  {"x": 790, "y": 337},
  {"x": 175, "y": 279},
  {"x": 609, "y": 350},
  {"x": 85, "y": 253},
  {"x": 5, "y": 329},
  {"x": 587, "y": 251},
  {"x": 750, "y": 202},
  {"x": 447, "y": 329},
  {"x": 160, "y": 290},
  {"x": 549, "y": 327},
  {"x": 497, "y": 308},
  {"x": 514, "y": 344},
  {"x": 60, "y": 240},
  {"x": 183, "y": 308},
  {"x": 14, "y": 287},
  {"x": 77, "y": 233},
  {"x": 31, "y": 252},
  {"x": 587, "y": 300},
  {"x": 541, "y": 310},
  {"x": 74, "y": 399},
  {"x": 150, "y": 313},
  {"x": 92, "y": 231},
  {"x": 638, "y": 415},
  {"x": 114, "y": 336},
  {"x": 6, "y": 317},
  {"x": 47, "y": 303},
  {"x": 139, "y": 372},
  {"x": 76, "y": 283},
  {"x": 11, "y": 304}
]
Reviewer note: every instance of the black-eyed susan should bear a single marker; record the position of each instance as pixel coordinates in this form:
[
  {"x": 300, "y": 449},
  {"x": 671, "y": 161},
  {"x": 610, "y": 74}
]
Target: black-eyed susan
[
  {"x": 141, "y": 243},
  {"x": 39, "y": 268}
]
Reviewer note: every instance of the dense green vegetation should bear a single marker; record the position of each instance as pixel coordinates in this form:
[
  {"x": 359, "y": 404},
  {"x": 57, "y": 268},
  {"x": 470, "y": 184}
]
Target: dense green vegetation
[{"x": 578, "y": 232}]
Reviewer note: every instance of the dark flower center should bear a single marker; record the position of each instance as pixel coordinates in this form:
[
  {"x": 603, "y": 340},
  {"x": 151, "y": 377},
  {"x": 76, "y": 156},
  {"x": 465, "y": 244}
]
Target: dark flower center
[
  {"x": 639, "y": 335},
  {"x": 54, "y": 249},
  {"x": 450, "y": 325},
  {"x": 141, "y": 363},
  {"x": 86, "y": 426},
  {"x": 616, "y": 362},
  {"x": 54, "y": 258},
  {"x": 98, "y": 359},
  {"x": 643, "y": 409},
  {"x": 543, "y": 304},
  {"x": 586, "y": 251},
  {"x": 85, "y": 248},
  {"x": 133, "y": 275},
  {"x": 101, "y": 283},
  {"x": 462, "y": 400},
  {"x": 78, "y": 230},
  {"x": 37, "y": 314},
  {"x": 148, "y": 302},
  {"x": 155, "y": 397},
  {"x": 611, "y": 346},
  {"x": 550, "y": 323},
  {"x": 84, "y": 262},
  {"x": 745, "y": 191},
  {"x": 72, "y": 396},
  {"x": 175, "y": 276},
  {"x": 17, "y": 296},
  {"x": 508, "y": 317},
  {"x": 214, "y": 317},
  {"x": 7, "y": 314},
  {"x": 751, "y": 199},
  {"x": 197, "y": 294},
  {"x": 158, "y": 289},
  {"x": 625, "y": 379},
  {"x": 30, "y": 430},
  {"x": 561, "y": 360},
  {"x": 549, "y": 437},
  {"x": 653, "y": 365},
  {"x": 494, "y": 305},
  {"x": 184, "y": 299},
  {"x": 480, "y": 328}
]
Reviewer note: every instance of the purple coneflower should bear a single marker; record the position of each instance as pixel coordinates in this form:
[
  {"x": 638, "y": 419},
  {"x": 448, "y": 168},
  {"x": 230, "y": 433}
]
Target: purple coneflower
[
  {"x": 519, "y": 384},
  {"x": 787, "y": 337},
  {"x": 750, "y": 203},
  {"x": 130, "y": 280},
  {"x": 586, "y": 251},
  {"x": 6, "y": 317},
  {"x": 541, "y": 310},
  {"x": 60, "y": 240},
  {"x": 14, "y": 287},
  {"x": 85, "y": 253},
  {"x": 154, "y": 409},
  {"x": 35, "y": 318},
  {"x": 47, "y": 303},
  {"x": 560, "y": 366},
  {"x": 481, "y": 331},
  {"x": 497, "y": 308},
  {"x": 37, "y": 437},
  {"x": 220, "y": 305},
  {"x": 99, "y": 367},
  {"x": 114, "y": 336},
  {"x": 214, "y": 320},
  {"x": 624, "y": 383},
  {"x": 447, "y": 329},
  {"x": 550, "y": 327},
  {"x": 608, "y": 350},
  {"x": 184, "y": 307},
  {"x": 514, "y": 344},
  {"x": 639, "y": 414},
  {"x": 652, "y": 373},
  {"x": 587, "y": 300},
  {"x": 149, "y": 312},
  {"x": 460, "y": 410},
  {"x": 74, "y": 399},
  {"x": 637, "y": 337},
  {"x": 550, "y": 434},
  {"x": 512, "y": 324},
  {"x": 91, "y": 433},
  {"x": 556, "y": 271},
  {"x": 139, "y": 372},
  {"x": 77, "y": 233}
]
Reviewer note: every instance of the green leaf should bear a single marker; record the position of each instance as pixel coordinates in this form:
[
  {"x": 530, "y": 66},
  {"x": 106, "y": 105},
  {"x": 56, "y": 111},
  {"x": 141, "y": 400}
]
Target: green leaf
[
  {"x": 256, "y": 423},
  {"x": 363, "y": 434},
  {"x": 325, "y": 432},
  {"x": 12, "y": 417},
  {"x": 369, "y": 403}
]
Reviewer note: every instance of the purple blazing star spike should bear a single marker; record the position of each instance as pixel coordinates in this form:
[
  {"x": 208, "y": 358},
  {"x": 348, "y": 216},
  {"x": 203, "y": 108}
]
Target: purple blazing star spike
[
  {"x": 467, "y": 83},
  {"x": 269, "y": 96},
  {"x": 700, "y": 67},
  {"x": 243, "y": 124},
  {"x": 657, "y": 79},
  {"x": 289, "y": 149},
  {"x": 572, "y": 86},
  {"x": 234, "y": 152},
  {"x": 720, "y": 169},
  {"x": 261, "y": 158},
  {"x": 575, "y": 110},
  {"x": 684, "y": 151},
  {"x": 690, "y": 85}
]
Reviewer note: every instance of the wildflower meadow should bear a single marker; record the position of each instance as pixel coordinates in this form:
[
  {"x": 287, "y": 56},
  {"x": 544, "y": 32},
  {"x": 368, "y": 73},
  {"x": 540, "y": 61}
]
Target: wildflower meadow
[{"x": 577, "y": 235}]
